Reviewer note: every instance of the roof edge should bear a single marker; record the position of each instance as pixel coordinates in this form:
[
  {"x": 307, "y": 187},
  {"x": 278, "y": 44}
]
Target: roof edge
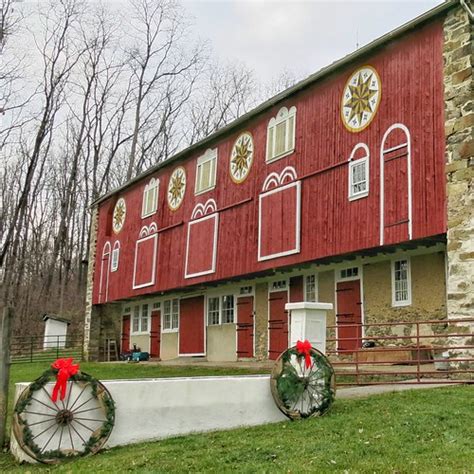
[{"x": 303, "y": 84}]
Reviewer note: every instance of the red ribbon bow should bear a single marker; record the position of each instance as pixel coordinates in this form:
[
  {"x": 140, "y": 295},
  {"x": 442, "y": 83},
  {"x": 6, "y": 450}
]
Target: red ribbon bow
[
  {"x": 66, "y": 369},
  {"x": 304, "y": 348}
]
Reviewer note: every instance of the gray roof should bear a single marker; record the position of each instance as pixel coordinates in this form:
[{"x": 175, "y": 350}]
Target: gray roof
[
  {"x": 310, "y": 80},
  {"x": 55, "y": 317}
]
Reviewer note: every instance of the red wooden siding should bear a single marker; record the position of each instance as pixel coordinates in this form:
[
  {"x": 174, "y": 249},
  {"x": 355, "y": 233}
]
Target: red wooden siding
[
  {"x": 277, "y": 323},
  {"x": 245, "y": 326},
  {"x": 348, "y": 315},
  {"x": 145, "y": 258},
  {"x": 410, "y": 71},
  {"x": 191, "y": 326}
]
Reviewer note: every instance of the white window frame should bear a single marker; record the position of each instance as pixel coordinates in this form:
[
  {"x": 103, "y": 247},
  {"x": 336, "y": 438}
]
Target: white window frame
[
  {"x": 163, "y": 315},
  {"x": 115, "y": 257},
  {"x": 316, "y": 286},
  {"x": 352, "y": 164},
  {"x": 209, "y": 155},
  {"x": 153, "y": 186},
  {"x": 280, "y": 284},
  {"x": 348, "y": 277},
  {"x": 284, "y": 115},
  {"x": 221, "y": 296},
  {"x": 408, "y": 301},
  {"x": 140, "y": 319}
]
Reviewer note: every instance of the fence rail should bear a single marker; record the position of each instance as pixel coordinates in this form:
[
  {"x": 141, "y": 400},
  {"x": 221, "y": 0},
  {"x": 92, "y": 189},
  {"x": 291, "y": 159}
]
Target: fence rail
[
  {"x": 413, "y": 352},
  {"x": 38, "y": 349}
]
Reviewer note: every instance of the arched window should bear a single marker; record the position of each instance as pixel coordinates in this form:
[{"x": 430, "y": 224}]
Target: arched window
[
  {"x": 114, "y": 263},
  {"x": 359, "y": 172},
  {"x": 150, "y": 197},
  {"x": 281, "y": 134}
]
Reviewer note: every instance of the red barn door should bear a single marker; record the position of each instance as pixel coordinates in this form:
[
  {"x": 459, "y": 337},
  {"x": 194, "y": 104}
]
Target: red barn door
[
  {"x": 125, "y": 346},
  {"x": 395, "y": 175},
  {"x": 349, "y": 315},
  {"x": 245, "y": 326},
  {"x": 191, "y": 326},
  {"x": 277, "y": 323},
  {"x": 155, "y": 333},
  {"x": 296, "y": 289}
]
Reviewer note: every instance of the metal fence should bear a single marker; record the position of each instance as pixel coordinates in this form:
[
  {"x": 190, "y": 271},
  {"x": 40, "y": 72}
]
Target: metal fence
[
  {"x": 419, "y": 352},
  {"x": 37, "y": 349}
]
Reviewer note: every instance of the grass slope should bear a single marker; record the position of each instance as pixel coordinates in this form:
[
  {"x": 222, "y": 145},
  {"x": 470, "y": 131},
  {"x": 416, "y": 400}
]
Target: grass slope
[{"x": 414, "y": 431}]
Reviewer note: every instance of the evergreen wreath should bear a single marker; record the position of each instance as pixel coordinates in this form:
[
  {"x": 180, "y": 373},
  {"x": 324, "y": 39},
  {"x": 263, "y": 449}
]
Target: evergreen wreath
[
  {"x": 303, "y": 384},
  {"x": 98, "y": 437}
]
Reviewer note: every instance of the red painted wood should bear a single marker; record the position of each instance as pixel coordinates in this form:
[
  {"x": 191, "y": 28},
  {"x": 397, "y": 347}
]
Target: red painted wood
[
  {"x": 410, "y": 70},
  {"x": 277, "y": 324},
  {"x": 296, "y": 289},
  {"x": 191, "y": 326},
  {"x": 104, "y": 278},
  {"x": 348, "y": 314},
  {"x": 278, "y": 222},
  {"x": 201, "y": 245},
  {"x": 245, "y": 326},
  {"x": 125, "y": 343},
  {"x": 155, "y": 334}
]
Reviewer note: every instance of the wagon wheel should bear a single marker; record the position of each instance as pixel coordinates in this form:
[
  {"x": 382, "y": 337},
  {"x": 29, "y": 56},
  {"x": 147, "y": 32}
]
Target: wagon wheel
[
  {"x": 51, "y": 431},
  {"x": 300, "y": 391}
]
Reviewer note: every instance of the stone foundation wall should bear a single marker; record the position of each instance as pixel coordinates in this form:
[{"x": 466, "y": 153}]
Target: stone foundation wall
[
  {"x": 261, "y": 321},
  {"x": 459, "y": 115}
]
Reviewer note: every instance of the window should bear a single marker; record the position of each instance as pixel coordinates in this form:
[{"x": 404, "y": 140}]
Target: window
[
  {"x": 281, "y": 134},
  {"x": 228, "y": 309},
  {"x": 156, "y": 305},
  {"x": 140, "y": 318},
  {"x": 114, "y": 262},
  {"x": 280, "y": 285},
  {"x": 246, "y": 290},
  {"x": 349, "y": 272},
  {"x": 310, "y": 288},
  {"x": 206, "y": 171},
  {"x": 401, "y": 283},
  {"x": 171, "y": 315},
  {"x": 150, "y": 198},
  {"x": 359, "y": 172},
  {"x": 213, "y": 311},
  {"x": 220, "y": 310}
]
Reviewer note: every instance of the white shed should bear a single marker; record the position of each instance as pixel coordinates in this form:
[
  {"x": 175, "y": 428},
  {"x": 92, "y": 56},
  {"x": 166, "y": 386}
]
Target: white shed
[{"x": 55, "y": 331}]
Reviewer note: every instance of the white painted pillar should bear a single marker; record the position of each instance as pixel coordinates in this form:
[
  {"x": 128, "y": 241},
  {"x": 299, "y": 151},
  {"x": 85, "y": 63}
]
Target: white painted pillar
[{"x": 308, "y": 321}]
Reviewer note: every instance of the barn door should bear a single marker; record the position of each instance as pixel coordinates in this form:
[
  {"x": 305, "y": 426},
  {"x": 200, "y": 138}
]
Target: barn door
[
  {"x": 395, "y": 186},
  {"x": 125, "y": 343},
  {"x": 245, "y": 326},
  {"x": 349, "y": 315},
  {"x": 277, "y": 323},
  {"x": 296, "y": 289},
  {"x": 191, "y": 326},
  {"x": 155, "y": 333}
]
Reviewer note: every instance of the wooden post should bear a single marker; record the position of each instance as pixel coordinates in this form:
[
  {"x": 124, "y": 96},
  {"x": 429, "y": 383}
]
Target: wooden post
[{"x": 5, "y": 335}]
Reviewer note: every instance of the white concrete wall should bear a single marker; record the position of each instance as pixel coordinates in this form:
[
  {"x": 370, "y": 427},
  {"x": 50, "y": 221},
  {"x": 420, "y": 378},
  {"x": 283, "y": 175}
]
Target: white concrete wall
[
  {"x": 54, "y": 334},
  {"x": 148, "y": 409}
]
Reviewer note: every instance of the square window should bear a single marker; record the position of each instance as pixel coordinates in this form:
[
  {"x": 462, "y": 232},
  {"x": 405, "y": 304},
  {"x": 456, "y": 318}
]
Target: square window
[
  {"x": 171, "y": 315},
  {"x": 358, "y": 178}
]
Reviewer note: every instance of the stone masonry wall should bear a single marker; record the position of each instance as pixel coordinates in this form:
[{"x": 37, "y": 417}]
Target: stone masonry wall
[
  {"x": 91, "y": 326},
  {"x": 459, "y": 116}
]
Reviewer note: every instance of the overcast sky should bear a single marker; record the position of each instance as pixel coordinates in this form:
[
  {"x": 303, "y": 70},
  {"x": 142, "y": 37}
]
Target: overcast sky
[{"x": 295, "y": 35}]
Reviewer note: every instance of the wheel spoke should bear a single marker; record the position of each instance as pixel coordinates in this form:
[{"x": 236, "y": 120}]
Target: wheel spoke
[
  {"x": 78, "y": 434},
  {"x": 49, "y": 440},
  {"x": 60, "y": 438},
  {"x": 49, "y": 396},
  {"x": 88, "y": 409},
  {"x": 37, "y": 413},
  {"x": 44, "y": 431},
  {"x": 69, "y": 394},
  {"x": 82, "y": 404},
  {"x": 85, "y": 426},
  {"x": 89, "y": 419},
  {"x": 70, "y": 437},
  {"x": 38, "y": 422},
  {"x": 45, "y": 404},
  {"x": 77, "y": 398}
]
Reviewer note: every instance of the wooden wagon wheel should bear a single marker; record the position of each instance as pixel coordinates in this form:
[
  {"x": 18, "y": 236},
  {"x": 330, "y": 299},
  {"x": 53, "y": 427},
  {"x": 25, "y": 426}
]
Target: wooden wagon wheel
[
  {"x": 51, "y": 431},
  {"x": 300, "y": 391}
]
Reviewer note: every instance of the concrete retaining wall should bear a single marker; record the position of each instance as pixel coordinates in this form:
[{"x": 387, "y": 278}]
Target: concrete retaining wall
[{"x": 148, "y": 409}]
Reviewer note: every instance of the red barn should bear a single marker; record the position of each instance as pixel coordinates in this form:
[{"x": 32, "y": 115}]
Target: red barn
[{"x": 332, "y": 191}]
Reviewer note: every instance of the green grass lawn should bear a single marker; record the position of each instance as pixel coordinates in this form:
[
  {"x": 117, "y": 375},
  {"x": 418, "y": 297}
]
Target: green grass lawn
[{"x": 415, "y": 431}]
